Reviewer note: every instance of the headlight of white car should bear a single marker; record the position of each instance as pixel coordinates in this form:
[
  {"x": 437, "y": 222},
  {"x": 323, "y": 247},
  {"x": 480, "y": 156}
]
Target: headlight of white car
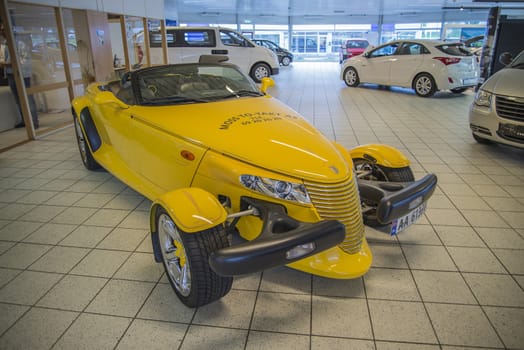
[
  {"x": 483, "y": 99},
  {"x": 276, "y": 188}
]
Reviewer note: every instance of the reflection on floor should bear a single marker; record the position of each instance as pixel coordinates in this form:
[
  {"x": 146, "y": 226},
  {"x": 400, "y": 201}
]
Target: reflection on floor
[
  {"x": 53, "y": 119},
  {"x": 77, "y": 269}
]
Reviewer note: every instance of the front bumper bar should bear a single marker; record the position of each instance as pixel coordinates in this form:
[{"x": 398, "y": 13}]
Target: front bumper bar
[
  {"x": 280, "y": 234},
  {"x": 396, "y": 199}
]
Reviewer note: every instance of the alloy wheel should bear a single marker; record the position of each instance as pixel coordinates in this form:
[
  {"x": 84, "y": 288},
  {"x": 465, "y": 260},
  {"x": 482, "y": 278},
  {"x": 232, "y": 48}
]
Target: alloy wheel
[
  {"x": 424, "y": 85},
  {"x": 174, "y": 255}
]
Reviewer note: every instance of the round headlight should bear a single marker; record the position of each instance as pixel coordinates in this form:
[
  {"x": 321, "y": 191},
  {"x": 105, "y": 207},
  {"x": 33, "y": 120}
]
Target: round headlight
[{"x": 276, "y": 188}]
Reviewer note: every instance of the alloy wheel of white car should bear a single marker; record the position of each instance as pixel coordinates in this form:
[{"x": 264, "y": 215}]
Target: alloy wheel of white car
[
  {"x": 425, "y": 85},
  {"x": 259, "y": 71},
  {"x": 351, "y": 77}
]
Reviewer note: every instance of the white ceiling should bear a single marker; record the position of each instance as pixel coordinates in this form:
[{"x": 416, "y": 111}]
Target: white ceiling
[{"x": 334, "y": 11}]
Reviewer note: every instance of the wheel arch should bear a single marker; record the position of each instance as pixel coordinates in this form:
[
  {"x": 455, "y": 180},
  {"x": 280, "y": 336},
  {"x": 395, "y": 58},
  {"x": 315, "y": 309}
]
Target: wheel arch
[
  {"x": 261, "y": 62},
  {"x": 192, "y": 209},
  {"x": 80, "y": 108},
  {"x": 346, "y": 68},
  {"x": 384, "y": 155}
]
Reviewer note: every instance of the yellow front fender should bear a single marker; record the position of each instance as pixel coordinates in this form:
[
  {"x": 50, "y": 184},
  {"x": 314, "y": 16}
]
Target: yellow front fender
[
  {"x": 383, "y": 155},
  {"x": 192, "y": 209}
]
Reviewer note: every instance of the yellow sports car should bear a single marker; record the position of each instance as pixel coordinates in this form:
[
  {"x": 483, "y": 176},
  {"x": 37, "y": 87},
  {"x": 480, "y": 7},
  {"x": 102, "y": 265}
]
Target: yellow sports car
[{"x": 239, "y": 181}]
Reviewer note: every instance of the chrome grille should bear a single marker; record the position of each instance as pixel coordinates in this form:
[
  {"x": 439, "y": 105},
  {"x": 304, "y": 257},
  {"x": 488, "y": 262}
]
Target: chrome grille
[
  {"x": 510, "y": 108},
  {"x": 340, "y": 201}
]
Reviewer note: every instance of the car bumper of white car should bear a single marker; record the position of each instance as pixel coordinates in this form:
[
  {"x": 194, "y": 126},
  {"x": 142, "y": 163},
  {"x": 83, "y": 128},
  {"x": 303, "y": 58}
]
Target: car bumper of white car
[
  {"x": 451, "y": 82},
  {"x": 503, "y": 122}
]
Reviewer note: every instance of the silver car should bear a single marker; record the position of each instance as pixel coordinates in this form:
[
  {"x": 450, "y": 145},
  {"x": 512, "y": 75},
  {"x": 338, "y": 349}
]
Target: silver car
[{"x": 497, "y": 112}]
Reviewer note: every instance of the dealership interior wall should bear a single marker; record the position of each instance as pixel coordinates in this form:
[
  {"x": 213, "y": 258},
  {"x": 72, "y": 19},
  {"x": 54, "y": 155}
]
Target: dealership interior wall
[{"x": 76, "y": 265}]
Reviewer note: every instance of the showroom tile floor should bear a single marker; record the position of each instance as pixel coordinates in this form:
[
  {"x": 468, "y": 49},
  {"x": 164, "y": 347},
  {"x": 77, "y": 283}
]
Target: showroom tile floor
[{"x": 77, "y": 272}]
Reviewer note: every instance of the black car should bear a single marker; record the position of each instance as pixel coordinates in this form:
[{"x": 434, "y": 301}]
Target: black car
[{"x": 285, "y": 57}]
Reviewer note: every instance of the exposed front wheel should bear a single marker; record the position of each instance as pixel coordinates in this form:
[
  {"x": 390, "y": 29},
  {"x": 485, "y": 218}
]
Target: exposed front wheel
[
  {"x": 85, "y": 153},
  {"x": 424, "y": 85},
  {"x": 186, "y": 261},
  {"x": 259, "y": 71},
  {"x": 286, "y": 61},
  {"x": 368, "y": 170},
  {"x": 351, "y": 77}
]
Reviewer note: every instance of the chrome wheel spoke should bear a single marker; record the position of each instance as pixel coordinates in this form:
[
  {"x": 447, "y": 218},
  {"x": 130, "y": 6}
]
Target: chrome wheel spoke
[{"x": 172, "y": 251}]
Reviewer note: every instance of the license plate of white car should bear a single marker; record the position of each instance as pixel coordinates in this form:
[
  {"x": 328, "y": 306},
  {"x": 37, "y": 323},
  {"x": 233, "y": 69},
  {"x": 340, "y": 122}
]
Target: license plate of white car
[
  {"x": 407, "y": 220},
  {"x": 470, "y": 81}
]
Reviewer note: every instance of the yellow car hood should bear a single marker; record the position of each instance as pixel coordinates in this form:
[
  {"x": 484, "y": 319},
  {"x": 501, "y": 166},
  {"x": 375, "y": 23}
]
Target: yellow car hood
[{"x": 261, "y": 131}]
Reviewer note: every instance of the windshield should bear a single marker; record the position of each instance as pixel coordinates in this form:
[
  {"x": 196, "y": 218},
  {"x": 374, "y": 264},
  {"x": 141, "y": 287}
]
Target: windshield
[
  {"x": 518, "y": 62},
  {"x": 190, "y": 83},
  {"x": 357, "y": 44}
]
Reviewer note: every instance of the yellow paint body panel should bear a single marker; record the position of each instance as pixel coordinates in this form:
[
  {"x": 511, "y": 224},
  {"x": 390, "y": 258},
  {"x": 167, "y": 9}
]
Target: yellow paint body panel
[
  {"x": 192, "y": 209},
  {"x": 384, "y": 155},
  {"x": 335, "y": 263}
]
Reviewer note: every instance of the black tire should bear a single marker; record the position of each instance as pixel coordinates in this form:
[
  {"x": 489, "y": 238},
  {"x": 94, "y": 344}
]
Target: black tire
[
  {"x": 85, "y": 152},
  {"x": 351, "y": 77},
  {"x": 424, "y": 85},
  {"x": 185, "y": 257},
  {"x": 259, "y": 71},
  {"x": 481, "y": 140},
  {"x": 379, "y": 173},
  {"x": 286, "y": 60},
  {"x": 458, "y": 90}
]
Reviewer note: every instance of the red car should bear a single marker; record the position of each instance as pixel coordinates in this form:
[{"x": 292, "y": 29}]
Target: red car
[{"x": 352, "y": 47}]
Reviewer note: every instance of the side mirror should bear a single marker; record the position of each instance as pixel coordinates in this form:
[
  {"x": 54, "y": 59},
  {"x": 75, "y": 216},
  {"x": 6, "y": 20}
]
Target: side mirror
[
  {"x": 366, "y": 54},
  {"x": 266, "y": 83},
  {"x": 106, "y": 97},
  {"x": 505, "y": 58}
]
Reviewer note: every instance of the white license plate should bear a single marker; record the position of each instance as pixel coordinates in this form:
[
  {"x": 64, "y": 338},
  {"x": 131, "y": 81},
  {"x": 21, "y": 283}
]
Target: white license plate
[
  {"x": 407, "y": 220},
  {"x": 470, "y": 81}
]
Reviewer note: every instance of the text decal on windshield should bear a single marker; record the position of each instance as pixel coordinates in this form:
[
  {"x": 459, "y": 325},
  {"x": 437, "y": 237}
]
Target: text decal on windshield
[{"x": 254, "y": 118}]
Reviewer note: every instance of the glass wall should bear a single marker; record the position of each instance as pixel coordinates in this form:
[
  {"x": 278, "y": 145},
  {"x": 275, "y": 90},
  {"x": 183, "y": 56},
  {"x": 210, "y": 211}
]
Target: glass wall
[
  {"x": 41, "y": 58},
  {"x": 323, "y": 42},
  {"x": 54, "y": 49},
  {"x": 135, "y": 42},
  {"x": 80, "y": 60}
]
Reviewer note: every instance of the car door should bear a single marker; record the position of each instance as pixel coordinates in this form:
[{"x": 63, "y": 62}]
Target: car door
[
  {"x": 405, "y": 63},
  {"x": 237, "y": 48},
  {"x": 376, "y": 64},
  {"x": 115, "y": 125}
]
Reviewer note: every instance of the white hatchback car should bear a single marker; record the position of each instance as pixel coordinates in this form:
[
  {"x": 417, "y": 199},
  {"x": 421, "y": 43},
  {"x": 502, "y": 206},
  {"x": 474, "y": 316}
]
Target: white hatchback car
[
  {"x": 497, "y": 113},
  {"x": 424, "y": 65}
]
